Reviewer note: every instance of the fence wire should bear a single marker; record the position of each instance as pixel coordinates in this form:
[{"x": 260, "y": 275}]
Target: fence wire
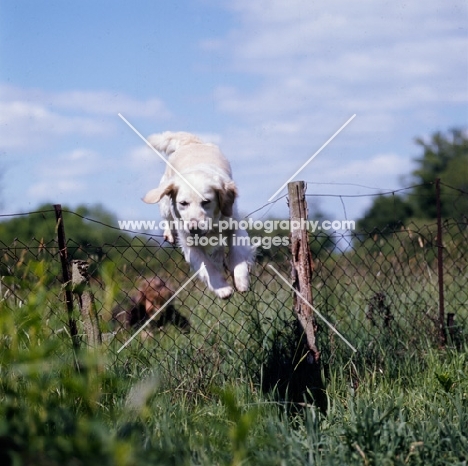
[{"x": 379, "y": 288}]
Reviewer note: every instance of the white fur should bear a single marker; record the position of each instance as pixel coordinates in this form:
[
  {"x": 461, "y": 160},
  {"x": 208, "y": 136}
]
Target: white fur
[{"x": 203, "y": 167}]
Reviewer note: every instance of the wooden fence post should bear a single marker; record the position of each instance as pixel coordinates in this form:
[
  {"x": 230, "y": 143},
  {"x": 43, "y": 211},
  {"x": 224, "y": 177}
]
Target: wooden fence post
[
  {"x": 66, "y": 276},
  {"x": 80, "y": 286},
  {"x": 301, "y": 270},
  {"x": 440, "y": 267}
]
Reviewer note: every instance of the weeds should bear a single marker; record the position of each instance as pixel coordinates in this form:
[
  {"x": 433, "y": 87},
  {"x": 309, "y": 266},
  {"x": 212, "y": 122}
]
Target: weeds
[
  {"x": 222, "y": 394},
  {"x": 111, "y": 412}
]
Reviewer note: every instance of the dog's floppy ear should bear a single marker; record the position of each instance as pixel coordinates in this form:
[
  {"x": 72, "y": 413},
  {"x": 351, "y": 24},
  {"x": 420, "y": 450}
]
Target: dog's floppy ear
[
  {"x": 155, "y": 195},
  {"x": 227, "y": 195}
]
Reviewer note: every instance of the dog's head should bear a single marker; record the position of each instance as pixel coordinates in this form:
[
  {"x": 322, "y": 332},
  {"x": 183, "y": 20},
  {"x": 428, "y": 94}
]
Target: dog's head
[{"x": 198, "y": 199}]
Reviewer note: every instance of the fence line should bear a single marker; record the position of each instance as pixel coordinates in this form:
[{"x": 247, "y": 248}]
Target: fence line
[{"x": 391, "y": 292}]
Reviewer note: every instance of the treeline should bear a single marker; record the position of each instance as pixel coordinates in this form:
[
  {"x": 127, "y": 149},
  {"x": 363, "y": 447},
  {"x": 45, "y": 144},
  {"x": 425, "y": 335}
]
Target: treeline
[
  {"x": 92, "y": 234},
  {"x": 86, "y": 226}
]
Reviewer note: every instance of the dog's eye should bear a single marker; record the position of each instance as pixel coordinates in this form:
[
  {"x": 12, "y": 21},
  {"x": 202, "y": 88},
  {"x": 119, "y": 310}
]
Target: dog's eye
[
  {"x": 204, "y": 203},
  {"x": 184, "y": 203}
]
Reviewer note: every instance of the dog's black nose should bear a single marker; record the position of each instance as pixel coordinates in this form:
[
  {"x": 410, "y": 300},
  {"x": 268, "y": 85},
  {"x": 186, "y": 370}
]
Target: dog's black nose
[{"x": 192, "y": 225}]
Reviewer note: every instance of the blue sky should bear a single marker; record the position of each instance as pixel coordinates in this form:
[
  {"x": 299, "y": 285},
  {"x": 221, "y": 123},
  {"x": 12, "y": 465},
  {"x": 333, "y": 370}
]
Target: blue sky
[{"x": 269, "y": 81}]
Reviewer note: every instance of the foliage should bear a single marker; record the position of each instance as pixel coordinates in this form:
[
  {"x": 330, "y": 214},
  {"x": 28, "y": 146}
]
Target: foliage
[
  {"x": 321, "y": 242},
  {"x": 444, "y": 156},
  {"x": 386, "y": 214},
  {"x": 197, "y": 399},
  {"x": 91, "y": 407},
  {"x": 88, "y": 236}
]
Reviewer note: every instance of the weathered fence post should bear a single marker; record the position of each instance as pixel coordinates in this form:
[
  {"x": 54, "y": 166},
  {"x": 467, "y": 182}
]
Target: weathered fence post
[
  {"x": 66, "y": 275},
  {"x": 80, "y": 286},
  {"x": 301, "y": 271},
  {"x": 440, "y": 267}
]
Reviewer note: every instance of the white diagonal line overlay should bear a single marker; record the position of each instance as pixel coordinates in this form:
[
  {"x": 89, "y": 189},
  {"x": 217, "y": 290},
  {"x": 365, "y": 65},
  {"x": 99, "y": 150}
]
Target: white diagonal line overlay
[
  {"x": 161, "y": 308},
  {"x": 157, "y": 152},
  {"x": 313, "y": 308},
  {"x": 312, "y": 158}
]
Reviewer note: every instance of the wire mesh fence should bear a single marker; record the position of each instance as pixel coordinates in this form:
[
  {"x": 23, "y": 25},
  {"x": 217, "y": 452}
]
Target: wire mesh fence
[{"x": 380, "y": 289}]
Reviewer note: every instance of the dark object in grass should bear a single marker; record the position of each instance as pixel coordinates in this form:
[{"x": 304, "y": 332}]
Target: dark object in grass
[
  {"x": 144, "y": 303},
  {"x": 287, "y": 371},
  {"x": 378, "y": 307}
]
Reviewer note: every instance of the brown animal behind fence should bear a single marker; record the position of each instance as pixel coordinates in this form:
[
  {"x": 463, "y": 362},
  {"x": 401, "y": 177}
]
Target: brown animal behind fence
[{"x": 145, "y": 304}]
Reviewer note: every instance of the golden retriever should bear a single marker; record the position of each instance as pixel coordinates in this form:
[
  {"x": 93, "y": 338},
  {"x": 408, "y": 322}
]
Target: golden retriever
[{"x": 197, "y": 192}]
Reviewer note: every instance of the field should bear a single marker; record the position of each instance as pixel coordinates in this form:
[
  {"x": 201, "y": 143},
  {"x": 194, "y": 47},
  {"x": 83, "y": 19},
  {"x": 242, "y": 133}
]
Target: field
[{"x": 209, "y": 397}]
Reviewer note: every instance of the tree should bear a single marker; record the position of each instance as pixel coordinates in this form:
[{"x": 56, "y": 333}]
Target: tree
[
  {"x": 386, "y": 214},
  {"x": 84, "y": 237},
  {"x": 444, "y": 157}
]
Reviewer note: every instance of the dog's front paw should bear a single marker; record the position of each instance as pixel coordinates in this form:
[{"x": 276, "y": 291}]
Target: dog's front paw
[
  {"x": 224, "y": 292},
  {"x": 241, "y": 277},
  {"x": 169, "y": 237},
  {"x": 242, "y": 284}
]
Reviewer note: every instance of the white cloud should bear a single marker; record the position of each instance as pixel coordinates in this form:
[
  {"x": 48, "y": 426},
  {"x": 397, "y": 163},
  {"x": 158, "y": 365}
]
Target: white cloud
[
  {"x": 309, "y": 66},
  {"x": 213, "y": 138},
  {"x": 65, "y": 174},
  {"x": 141, "y": 156},
  {"x": 52, "y": 190},
  {"x": 108, "y": 103},
  {"x": 377, "y": 167},
  {"x": 33, "y": 117},
  {"x": 89, "y": 102},
  {"x": 74, "y": 164},
  {"x": 28, "y": 125},
  {"x": 314, "y": 57}
]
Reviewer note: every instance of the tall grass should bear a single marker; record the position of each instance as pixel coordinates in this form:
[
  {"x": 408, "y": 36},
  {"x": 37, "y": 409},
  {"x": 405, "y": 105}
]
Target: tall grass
[{"x": 204, "y": 405}]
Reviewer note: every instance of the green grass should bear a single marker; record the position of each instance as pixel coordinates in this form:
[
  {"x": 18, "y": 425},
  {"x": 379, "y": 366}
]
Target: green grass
[{"x": 196, "y": 399}]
